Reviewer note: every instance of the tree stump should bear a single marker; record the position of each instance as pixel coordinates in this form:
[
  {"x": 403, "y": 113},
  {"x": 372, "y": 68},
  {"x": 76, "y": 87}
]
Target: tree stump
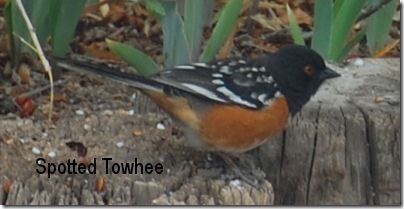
[{"x": 344, "y": 147}]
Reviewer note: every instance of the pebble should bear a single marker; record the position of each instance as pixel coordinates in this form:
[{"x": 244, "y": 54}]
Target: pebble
[
  {"x": 160, "y": 126},
  {"x": 79, "y": 112},
  {"x": 44, "y": 135},
  {"x": 36, "y": 150},
  {"x": 236, "y": 183},
  {"x": 87, "y": 127},
  {"x": 108, "y": 112},
  {"x": 52, "y": 154},
  {"x": 133, "y": 97},
  {"x": 137, "y": 132},
  {"x": 379, "y": 99},
  {"x": 359, "y": 62},
  {"x": 209, "y": 157},
  {"x": 119, "y": 144}
]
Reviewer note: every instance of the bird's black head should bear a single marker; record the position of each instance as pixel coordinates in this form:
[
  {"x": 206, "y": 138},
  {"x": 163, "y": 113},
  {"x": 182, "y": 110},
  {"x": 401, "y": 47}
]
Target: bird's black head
[{"x": 299, "y": 72}]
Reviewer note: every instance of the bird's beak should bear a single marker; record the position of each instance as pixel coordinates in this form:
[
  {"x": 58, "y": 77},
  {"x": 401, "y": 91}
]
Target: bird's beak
[{"x": 328, "y": 73}]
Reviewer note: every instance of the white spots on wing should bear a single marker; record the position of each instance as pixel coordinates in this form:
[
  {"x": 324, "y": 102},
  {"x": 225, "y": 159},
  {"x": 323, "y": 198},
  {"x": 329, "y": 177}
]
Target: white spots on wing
[
  {"x": 225, "y": 70},
  {"x": 243, "y": 69},
  {"x": 203, "y": 91},
  {"x": 200, "y": 64},
  {"x": 242, "y": 62},
  {"x": 262, "y": 98},
  {"x": 249, "y": 75},
  {"x": 233, "y": 63},
  {"x": 278, "y": 94},
  {"x": 254, "y": 69},
  {"x": 233, "y": 97},
  {"x": 265, "y": 98},
  {"x": 262, "y": 69},
  {"x": 268, "y": 101},
  {"x": 185, "y": 67},
  {"x": 217, "y": 75},
  {"x": 217, "y": 82},
  {"x": 265, "y": 79},
  {"x": 269, "y": 79},
  {"x": 197, "y": 88},
  {"x": 254, "y": 95}
]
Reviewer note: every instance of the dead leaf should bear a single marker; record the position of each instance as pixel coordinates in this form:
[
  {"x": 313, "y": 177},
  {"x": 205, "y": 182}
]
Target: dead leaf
[
  {"x": 99, "y": 50},
  {"x": 26, "y": 106},
  {"x": 77, "y": 146},
  {"x": 59, "y": 97},
  {"x": 7, "y": 186},
  {"x": 100, "y": 184},
  {"x": 266, "y": 22},
  {"x": 301, "y": 16},
  {"x": 117, "y": 10}
]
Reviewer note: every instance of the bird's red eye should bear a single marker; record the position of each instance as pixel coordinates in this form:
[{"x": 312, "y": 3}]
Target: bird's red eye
[{"x": 308, "y": 70}]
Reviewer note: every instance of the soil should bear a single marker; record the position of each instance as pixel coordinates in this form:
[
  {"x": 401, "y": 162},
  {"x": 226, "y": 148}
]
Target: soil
[{"x": 102, "y": 119}]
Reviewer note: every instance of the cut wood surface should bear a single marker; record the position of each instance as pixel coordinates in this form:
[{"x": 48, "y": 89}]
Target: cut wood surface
[{"x": 343, "y": 148}]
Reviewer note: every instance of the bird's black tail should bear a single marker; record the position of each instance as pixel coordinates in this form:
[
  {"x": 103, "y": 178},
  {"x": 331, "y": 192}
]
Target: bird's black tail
[{"x": 131, "y": 79}]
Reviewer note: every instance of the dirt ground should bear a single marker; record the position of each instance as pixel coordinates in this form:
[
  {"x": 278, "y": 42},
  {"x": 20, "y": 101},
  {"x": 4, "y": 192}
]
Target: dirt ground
[{"x": 102, "y": 119}]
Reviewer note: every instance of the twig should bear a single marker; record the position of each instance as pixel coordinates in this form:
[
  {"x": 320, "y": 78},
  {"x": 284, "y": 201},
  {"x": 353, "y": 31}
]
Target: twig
[
  {"x": 372, "y": 9},
  {"x": 44, "y": 61},
  {"x": 41, "y": 89},
  {"x": 385, "y": 50},
  {"x": 252, "y": 11}
]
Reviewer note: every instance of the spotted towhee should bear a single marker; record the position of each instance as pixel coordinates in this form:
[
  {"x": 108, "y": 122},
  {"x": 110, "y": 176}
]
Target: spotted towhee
[{"x": 230, "y": 105}]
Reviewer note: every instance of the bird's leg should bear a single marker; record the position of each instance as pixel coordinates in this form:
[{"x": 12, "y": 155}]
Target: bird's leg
[{"x": 253, "y": 180}]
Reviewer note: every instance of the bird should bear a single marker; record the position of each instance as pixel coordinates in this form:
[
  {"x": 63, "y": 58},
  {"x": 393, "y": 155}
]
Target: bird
[{"x": 230, "y": 105}]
